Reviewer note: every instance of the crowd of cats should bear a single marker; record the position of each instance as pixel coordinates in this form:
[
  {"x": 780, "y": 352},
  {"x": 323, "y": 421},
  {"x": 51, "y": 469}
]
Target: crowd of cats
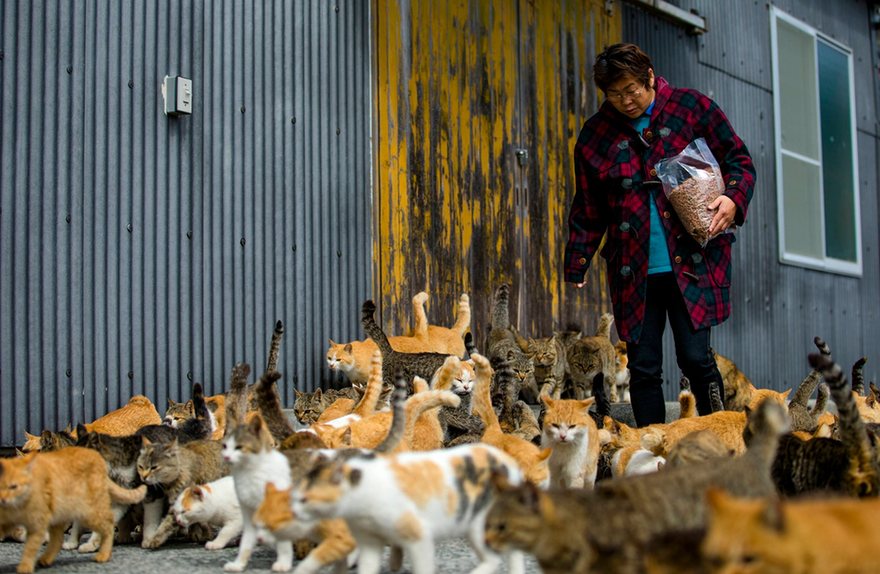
[{"x": 514, "y": 450}]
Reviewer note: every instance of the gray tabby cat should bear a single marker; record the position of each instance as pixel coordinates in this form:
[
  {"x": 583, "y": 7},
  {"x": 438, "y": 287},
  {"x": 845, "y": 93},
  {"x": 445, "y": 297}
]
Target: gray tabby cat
[
  {"x": 548, "y": 356},
  {"x": 591, "y": 355},
  {"x": 802, "y": 417},
  {"x": 308, "y": 406},
  {"x": 503, "y": 348},
  {"x": 394, "y": 363}
]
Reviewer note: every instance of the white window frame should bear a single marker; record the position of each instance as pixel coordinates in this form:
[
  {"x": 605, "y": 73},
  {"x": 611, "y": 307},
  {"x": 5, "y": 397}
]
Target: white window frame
[{"x": 828, "y": 264}]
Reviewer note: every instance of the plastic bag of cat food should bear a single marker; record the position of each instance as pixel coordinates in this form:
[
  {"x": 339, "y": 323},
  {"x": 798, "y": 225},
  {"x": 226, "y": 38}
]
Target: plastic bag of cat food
[{"x": 692, "y": 181}]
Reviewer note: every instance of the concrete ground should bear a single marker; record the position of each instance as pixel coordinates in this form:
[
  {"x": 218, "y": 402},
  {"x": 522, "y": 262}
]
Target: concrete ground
[{"x": 453, "y": 557}]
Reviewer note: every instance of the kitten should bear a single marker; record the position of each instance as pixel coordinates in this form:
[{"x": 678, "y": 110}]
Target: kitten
[
  {"x": 573, "y": 437},
  {"x": 531, "y": 459},
  {"x": 44, "y": 492},
  {"x": 591, "y": 355},
  {"x": 354, "y": 358},
  {"x": 502, "y": 347},
  {"x": 212, "y": 504},
  {"x": 408, "y": 365},
  {"x": 804, "y": 536},
  {"x": 334, "y": 539},
  {"x": 410, "y": 500},
  {"x": 249, "y": 450},
  {"x": 173, "y": 466}
]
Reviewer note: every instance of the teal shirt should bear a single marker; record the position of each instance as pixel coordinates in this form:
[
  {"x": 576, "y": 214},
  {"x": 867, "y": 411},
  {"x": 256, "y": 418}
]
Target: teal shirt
[{"x": 658, "y": 252}]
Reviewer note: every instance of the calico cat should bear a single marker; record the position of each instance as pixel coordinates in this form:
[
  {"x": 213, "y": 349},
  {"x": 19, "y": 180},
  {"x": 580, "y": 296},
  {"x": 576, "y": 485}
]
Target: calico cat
[
  {"x": 126, "y": 420},
  {"x": 215, "y": 505},
  {"x": 572, "y": 435},
  {"x": 531, "y": 459},
  {"x": 823, "y": 536},
  {"x": 636, "y": 512},
  {"x": 501, "y": 347},
  {"x": 591, "y": 355},
  {"x": 408, "y": 365},
  {"x": 44, "y": 492},
  {"x": 173, "y": 466},
  {"x": 848, "y": 465},
  {"x": 353, "y": 358},
  {"x": 334, "y": 539},
  {"x": 410, "y": 500}
]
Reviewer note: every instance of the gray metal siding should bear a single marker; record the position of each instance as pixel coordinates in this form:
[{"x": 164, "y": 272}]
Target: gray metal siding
[
  {"x": 138, "y": 251},
  {"x": 777, "y": 309}
]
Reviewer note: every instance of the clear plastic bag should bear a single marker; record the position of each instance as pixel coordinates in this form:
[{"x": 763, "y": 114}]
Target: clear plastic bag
[{"x": 692, "y": 181}]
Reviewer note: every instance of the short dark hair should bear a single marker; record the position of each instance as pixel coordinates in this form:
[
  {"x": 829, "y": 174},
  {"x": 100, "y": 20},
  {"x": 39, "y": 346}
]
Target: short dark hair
[{"x": 618, "y": 61}]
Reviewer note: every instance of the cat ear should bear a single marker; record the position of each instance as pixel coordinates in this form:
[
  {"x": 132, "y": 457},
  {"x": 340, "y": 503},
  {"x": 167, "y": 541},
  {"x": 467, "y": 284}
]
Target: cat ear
[
  {"x": 19, "y": 453},
  {"x": 548, "y": 402},
  {"x": 346, "y": 437},
  {"x": 30, "y": 436},
  {"x": 347, "y": 348},
  {"x": 145, "y": 441},
  {"x": 529, "y": 496},
  {"x": 171, "y": 403},
  {"x": 298, "y": 393},
  {"x": 587, "y": 402},
  {"x": 317, "y": 394},
  {"x": 81, "y": 431},
  {"x": 189, "y": 406},
  {"x": 198, "y": 492},
  {"x": 332, "y": 342},
  {"x": 256, "y": 424},
  {"x": 786, "y": 393}
]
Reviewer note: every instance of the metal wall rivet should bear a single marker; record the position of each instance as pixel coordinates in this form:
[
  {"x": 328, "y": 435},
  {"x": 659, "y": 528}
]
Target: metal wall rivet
[
  {"x": 242, "y": 109},
  {"x": 242, "y": 241},
  {"x": 69, "y": 69},
  {"x": 293, "y": 248},
  {"x": 131, "y": 83},
  {"x": 338, "y": 253},
  {"x": 68, "y": 373},
  {"x": 189, "y": 375},
  {"x": 131, "y": 375},
  {"x": 128, "y": 227},
  {"x": 338, "y": 131},
  {"x": 67, "y": 218},
  {"x": 293, "y": 120},
  {"x": 189, "y": 234}
]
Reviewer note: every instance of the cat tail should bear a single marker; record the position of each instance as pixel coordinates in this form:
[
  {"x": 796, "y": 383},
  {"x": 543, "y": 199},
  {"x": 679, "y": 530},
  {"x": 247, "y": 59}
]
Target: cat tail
[
  {"x": 463, "y": 317},
  {"x": 656, "y": 441},
  {"x": 687, "y": 402},
  {"x": 604, "y": 328},
  {"x": 806, "y": 388},
  {"x": 398, "y": 416},
  {"x": 821, "y": 400},
  {"x": 236, "y": 399},
  {"x": 603, "y": 405},
  {"x": 469, "y": 345},
  {"x": 121, "y": 495},
  {"x": 201, "y": 424},
  {"x": 482, "y": 400},
  {"x": 367, "y": 405},
  {"x": 368, "y": 320},
  {"x": 858, "y": 376},
  {"x": 863, "y": 475},
  {"x": 715, "y": 397},
  {"x": 275, "y": 347},
  {"x": 420, "y": 318},
  {"x": 418, "y": 404},
  {"x": 500, "y": 310},
  {"x": 269, "y": 407}
]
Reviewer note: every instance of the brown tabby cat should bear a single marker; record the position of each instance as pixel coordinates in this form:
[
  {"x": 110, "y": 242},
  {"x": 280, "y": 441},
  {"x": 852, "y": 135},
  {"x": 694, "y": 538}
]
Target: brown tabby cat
[
  {"x": 530, "y": 458},
  {"x": 591, "y": 355},
  {"x": 738, "y": 389},
  {"x": 178, "y": 413},
  {"x": 502, "y": 347},
  {"x": 128, "y": 419},
  {"x": 353, "y": 358},
  {"x": 45, "y": 492},
  {"x": 548, "y": 356},
  {"x": 823, "y": 536},
  {"x": 309, "y": 407}
]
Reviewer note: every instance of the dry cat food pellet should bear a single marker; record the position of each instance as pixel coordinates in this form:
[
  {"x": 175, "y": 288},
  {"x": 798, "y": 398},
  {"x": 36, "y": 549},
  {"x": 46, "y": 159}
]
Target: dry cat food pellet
[{"x": 691, "y": 200}]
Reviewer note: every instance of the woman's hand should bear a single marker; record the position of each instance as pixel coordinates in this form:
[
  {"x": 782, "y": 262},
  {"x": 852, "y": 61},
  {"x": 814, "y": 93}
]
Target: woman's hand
[{"x": 726, "y": 210}]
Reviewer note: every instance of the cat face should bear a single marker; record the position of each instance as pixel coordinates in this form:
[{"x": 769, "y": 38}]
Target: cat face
[
  {"x": 319, "y": 494},
  {"x": 514, "y": 520},
  {"x": 190, "y": 507},
  {"x": 158, "y": 463},
  {"x": 31, "y": 443},
  {"x": 274, "y": 512},
  {"x": 463, "y": 383},
  {"x": 178, "y": 413},
  {"x": 738, "y": 529},
  {"x": 566, "y": 421},
  {"x": 543, "y": 352},
  {"x": 246, "y": 440},
  {"x": 15, "y": 480},
  {"x": 308, "y": 406},
  {"x": 340, "y": 357}
]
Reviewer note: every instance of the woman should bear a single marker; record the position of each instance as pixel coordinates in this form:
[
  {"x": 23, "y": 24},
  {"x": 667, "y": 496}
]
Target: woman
[{"x": 655, "y": 269}]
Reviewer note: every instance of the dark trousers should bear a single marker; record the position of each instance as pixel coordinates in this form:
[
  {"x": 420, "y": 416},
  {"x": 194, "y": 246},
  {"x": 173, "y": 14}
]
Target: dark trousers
[{"x": 692, "y": 352}]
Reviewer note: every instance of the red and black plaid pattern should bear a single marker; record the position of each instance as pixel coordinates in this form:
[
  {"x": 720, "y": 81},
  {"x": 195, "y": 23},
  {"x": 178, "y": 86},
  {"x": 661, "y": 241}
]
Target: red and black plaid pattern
[{"x": 613, "y": 172}]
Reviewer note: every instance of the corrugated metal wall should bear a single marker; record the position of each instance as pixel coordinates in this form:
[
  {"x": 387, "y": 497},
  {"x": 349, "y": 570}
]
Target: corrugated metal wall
[
  {"x": 462, "y": 87},
  {"x": 777, "y": 309},
  {"x": 138, "y": 251}
]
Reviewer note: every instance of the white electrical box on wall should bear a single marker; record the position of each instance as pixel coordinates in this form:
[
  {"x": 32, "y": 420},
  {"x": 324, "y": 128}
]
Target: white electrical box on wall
[{"x": 177, "y": 91}]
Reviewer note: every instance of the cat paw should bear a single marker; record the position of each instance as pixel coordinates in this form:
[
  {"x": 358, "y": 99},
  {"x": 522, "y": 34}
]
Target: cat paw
[
  {"x": 151, "y": 543},
  {"x": 24, "y": 569},
  {"x": 70, "y": 544},
  {"x": 281, "y": 566},
  {"x": 87, "y": 547},
  {"x": 45, "y": 563},
  {"x": 234, "y": 567},
  {"x": 214, "y": 545}
]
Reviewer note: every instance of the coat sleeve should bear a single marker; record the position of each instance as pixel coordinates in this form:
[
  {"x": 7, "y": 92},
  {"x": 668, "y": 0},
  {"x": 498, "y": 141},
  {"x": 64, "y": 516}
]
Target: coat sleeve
[
  {"x": 587, "y": 220},
  {"x": 736, "y": 164}
]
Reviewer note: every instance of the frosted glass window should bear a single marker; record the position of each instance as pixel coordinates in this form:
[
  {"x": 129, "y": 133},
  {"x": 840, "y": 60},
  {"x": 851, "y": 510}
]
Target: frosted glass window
[{"x": 816, "y": 159}]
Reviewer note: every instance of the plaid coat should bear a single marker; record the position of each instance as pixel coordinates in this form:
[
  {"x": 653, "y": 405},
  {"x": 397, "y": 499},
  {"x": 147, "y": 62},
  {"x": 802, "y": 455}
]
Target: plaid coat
[{"x": 614, "y": 176}]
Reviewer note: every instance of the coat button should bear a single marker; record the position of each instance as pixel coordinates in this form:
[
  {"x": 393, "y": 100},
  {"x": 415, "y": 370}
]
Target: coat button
[
  {"x": 624, "y": 226},
  {"x": 666, "y": 215},
  {"x": 648, "y": 135},
  {"x": 625, "y": 270},
  {"x": 678, "y": 258},
  {"x": 697, "y": 258},
  {"x": 582, "y": 260},
  {"x": 653, "y": 172},
  {"x": 731, "y": 182}
]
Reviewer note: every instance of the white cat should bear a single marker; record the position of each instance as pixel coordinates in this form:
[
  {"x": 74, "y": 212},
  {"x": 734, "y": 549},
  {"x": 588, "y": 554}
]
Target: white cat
[
  {"x": 254, "y": 461},
  {"x": 411, "y": 500},
  {"x": 212, "y": 504}
]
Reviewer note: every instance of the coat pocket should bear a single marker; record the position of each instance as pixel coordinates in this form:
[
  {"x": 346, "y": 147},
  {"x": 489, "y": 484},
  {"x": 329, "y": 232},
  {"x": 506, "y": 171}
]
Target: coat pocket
[{"x": 717, "y": 255}]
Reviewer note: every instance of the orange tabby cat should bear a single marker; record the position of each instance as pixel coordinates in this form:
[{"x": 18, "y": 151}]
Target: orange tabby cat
[
  {"x": 531, "y": 459},
  {"x": 353, "y": 358},
  {"x": 335, "y": 541},
  {"x": 806, "y": 536},
  {"x": 47, "y": 491},
  {"x": 573, "y": 436}
]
